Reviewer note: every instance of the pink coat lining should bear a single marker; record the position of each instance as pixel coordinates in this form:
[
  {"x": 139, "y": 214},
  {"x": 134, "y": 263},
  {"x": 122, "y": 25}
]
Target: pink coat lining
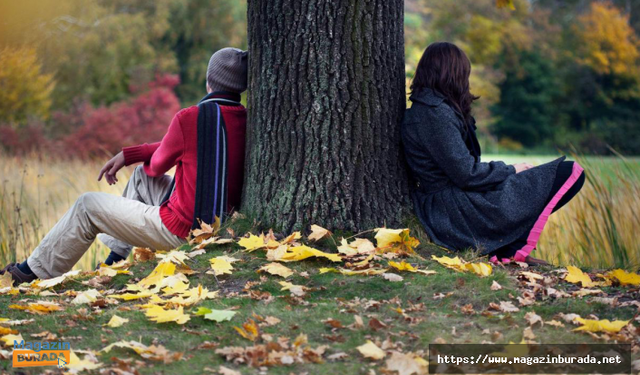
[{"x": 534, "y": 235}]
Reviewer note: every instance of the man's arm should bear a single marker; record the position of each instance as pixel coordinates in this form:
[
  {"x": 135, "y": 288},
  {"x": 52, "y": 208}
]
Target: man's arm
[{"x": 157, "y": 157}]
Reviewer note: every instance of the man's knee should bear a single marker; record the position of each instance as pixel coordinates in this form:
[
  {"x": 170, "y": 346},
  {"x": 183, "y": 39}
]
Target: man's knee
[{"x": 88, "y": 201}]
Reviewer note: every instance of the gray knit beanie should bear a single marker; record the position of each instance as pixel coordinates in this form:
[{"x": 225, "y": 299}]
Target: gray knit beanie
[{"x": 227, "y": 70}]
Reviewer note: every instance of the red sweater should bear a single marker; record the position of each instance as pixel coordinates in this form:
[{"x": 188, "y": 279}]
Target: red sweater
[{"x": 179, "y": 147}]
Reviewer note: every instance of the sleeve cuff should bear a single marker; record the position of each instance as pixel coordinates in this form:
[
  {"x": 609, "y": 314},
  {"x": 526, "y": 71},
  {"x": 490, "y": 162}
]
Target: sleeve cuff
[{"x": 135, "y": 154}]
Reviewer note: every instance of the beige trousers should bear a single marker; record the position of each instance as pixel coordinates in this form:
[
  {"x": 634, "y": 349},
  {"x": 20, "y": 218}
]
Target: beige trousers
[{"x": 127, "y": 221}]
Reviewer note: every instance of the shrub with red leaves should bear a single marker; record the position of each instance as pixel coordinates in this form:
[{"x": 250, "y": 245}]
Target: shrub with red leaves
[{"x": 103, "y": 131}]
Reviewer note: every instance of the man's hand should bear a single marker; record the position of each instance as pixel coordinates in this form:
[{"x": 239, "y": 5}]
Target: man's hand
[
  {"x": 522, "y": 167},
  {"x": 111, "y": 168}
]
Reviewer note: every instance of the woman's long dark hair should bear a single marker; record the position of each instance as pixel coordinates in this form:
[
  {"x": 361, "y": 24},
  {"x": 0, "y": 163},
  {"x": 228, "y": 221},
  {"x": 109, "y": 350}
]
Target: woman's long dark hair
[{"x": 445, "y": 68}]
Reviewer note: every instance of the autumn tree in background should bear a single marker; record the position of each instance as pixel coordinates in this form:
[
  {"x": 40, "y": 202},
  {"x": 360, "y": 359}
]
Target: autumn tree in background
[
  {"x": 25, "y": 90},
  {"x": 604, "y": 86},
  {"x": 326, "y": 97}
]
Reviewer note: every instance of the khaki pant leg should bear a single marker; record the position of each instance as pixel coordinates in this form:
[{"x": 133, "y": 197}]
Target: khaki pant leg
[
  {"x": 127, "y": 220},
  {"x": 141, "y": 187}
]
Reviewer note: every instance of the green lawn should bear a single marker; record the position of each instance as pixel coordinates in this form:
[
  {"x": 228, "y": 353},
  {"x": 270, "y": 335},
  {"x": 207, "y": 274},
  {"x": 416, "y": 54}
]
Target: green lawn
[{"x": 431, "y": 311}]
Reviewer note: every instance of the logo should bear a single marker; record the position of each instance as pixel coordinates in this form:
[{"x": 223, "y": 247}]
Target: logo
[{"x": 35, "y": 354}]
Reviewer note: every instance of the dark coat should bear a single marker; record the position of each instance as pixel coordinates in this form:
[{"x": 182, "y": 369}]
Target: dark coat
[{"x": 461, "y": 201}]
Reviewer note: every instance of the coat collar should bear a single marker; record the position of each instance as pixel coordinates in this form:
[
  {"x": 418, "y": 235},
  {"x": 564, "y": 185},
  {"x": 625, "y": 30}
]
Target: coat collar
[
  {"x": 434, "y": 98},
  {"x": 427, "y": 96}
]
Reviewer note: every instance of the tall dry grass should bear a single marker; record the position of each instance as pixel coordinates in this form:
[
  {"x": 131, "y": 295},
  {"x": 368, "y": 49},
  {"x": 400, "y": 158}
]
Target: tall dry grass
[
  {"x": 35, "y": 193},
  {"x": 598, "y": 228}
]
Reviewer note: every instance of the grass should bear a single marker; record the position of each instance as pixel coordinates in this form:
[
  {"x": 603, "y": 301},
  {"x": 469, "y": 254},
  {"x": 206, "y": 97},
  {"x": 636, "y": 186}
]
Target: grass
[
  {"x": 425, "y": 319},
  {"x": 596, "y": 229}
]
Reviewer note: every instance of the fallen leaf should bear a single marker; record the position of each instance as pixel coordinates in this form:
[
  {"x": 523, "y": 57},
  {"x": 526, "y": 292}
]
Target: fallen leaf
[
  {"x": 161, "y": 271},
  {"x": 495, "y": 286},
  {"x": 406, "y": 364},
  {"x": 88, "y": 296},
  {"x": 75, "y": 364},
  {"x": 371, "y": 350},
  {"x": 159, "y": 315},
  {"x": 297, "y": 253},
  {"x": 392, "y": 277},
  {"x": 355, "y": 247},
  {"x": 317, "y": 233},
  {"x": 221, "y": 266},
  {"x": 40, "y": 307},
  {"x": 532, "y": 318},
  {"x": 215, "y": 315},
  {"x": 153, "y": 352},
  {"x": 116, "y": 321},
  {"x": 249, "y": 330},
  {"x": 624, "y": 278},
  {"x": 43, "y": 284},
  {"x": 576, "y": 276},
  {"x": 395, "y": 240},
  {"x": 277, "y": 269},
  {"x": 601, "y": 325},
  {"x": 403, "y": 266},
  {"x": 297, "y": 290},
  {"x": 252, "y": 243},
  {"x": 143, "y": 254}
]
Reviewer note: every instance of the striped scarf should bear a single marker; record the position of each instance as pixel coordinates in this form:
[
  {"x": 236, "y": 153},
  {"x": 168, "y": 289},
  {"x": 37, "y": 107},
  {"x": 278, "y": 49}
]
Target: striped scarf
[{"x": 211, "y": 180}]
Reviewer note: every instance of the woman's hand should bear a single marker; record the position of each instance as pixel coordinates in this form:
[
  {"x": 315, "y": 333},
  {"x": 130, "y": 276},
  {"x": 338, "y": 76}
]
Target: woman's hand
[
  {"x": 111, "y": 168},
  {"x": 522, "y": 167}
]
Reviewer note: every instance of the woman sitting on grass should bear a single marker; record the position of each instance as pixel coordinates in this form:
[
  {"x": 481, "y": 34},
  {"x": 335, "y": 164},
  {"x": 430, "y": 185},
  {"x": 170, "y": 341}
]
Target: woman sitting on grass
[{"x": 462, "y": 202}]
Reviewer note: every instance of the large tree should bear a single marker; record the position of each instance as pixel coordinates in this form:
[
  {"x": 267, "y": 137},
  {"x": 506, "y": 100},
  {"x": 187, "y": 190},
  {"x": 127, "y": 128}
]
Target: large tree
[{"x": 326, "y": 98}]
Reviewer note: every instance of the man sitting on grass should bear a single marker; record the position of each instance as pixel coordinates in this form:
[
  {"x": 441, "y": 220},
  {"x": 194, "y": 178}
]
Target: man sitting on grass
[{"x": 206, "y": 145}]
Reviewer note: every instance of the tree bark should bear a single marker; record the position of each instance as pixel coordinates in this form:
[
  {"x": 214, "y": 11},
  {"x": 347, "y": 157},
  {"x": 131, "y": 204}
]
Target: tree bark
[{"x": 326, "y": 98}]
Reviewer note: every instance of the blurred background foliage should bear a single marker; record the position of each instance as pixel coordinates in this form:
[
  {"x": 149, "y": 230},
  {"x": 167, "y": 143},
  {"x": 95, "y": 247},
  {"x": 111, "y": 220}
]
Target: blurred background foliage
[{"x": 84, "y": 78}]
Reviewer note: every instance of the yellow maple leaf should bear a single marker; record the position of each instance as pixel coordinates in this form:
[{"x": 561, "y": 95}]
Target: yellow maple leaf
[
  {"x": 160, "y": 315},
  {"x": 371, "y": 350},
  {"x": 76, "y": 364},
  {"x": 403, "y": 266},
  {"x": 368, "y": 271},
  {"x": 220, "y": 266},
  {"x": 624, "y": 278},
  {"x": 174, "y": 256},
  {"x": 177, "y": 287},
  {"x": 601, "y": 325},
  {"x": 277, "y": 269},
  {"x": 10, "y": 338},
  {"x": 576, "y": 276},
  {"x": 161, "y": 271},
  {"x": 116, "y": 321},
  {"x": 480, "y": 269},
  {"x": 153, "y": 352},
  {"x": 297, "y": 290},
  {"x": 252, "y": 243},
  {"x": 297, "y": 253},
  {"x": 317, "y": 233},
  {"x": 132, "y": 296},
  {"x": 395, "y": 240},
  {"x": 48, "y": 283},
  {"x": 292, "y": 237},
  {"x": 88, "y": 296},
  {"x": 249, "y": 330},
  {"x": 277, "y": 253},
  {"x": 40, "y": 308}
]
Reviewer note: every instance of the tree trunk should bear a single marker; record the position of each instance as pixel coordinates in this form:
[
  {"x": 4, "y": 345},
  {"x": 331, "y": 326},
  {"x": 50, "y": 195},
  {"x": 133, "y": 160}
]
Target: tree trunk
[{"x": 326, "y": 98}]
